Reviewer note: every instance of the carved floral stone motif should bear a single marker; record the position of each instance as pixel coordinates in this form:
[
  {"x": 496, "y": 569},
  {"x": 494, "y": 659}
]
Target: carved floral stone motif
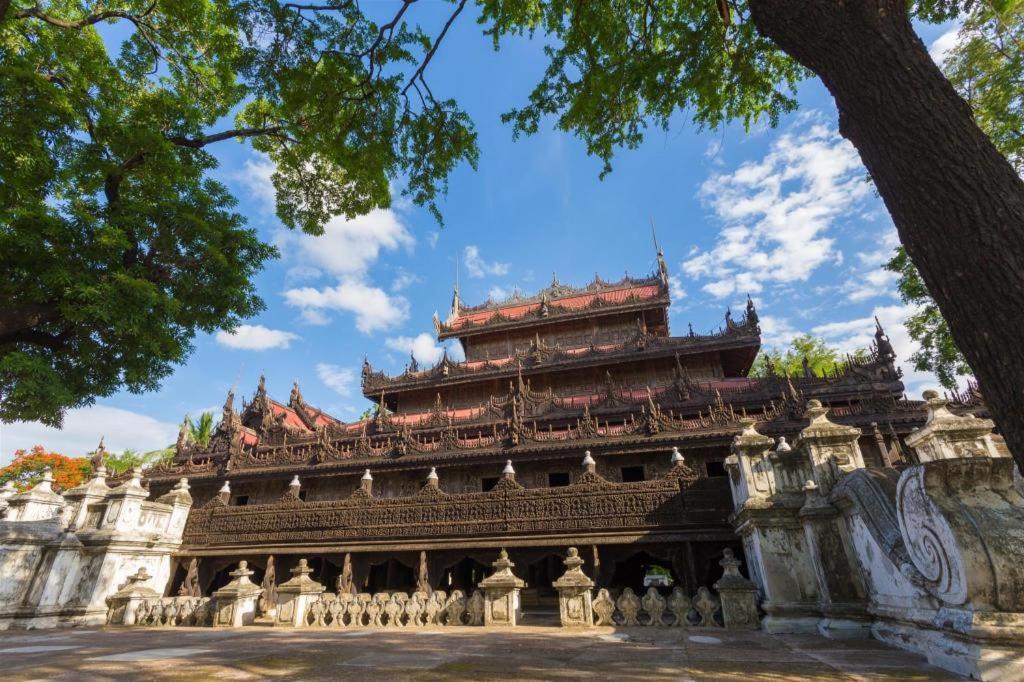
[
  {"x": 604, "y": 608},
  {"x": 475, "y": 608},
  {"x": 629, "y": 606},
  {"x": 679, "y": 604},
  {"x": 706, "y": 605},
  {"x": 654, "y": 605}
]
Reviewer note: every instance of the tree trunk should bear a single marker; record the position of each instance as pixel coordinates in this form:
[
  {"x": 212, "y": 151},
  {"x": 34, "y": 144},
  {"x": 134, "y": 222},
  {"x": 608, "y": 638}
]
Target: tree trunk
[{"x": 956, "y": 201}]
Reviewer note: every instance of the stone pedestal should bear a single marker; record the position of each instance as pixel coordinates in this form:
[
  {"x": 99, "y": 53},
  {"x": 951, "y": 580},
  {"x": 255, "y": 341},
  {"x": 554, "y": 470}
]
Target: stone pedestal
[
  {"x": 236, "y": 601},
  {"x": 295, "y": 596},
  {"x": 123, "y": 604},
  {"x": 574, "y": 596},
  {"x": 738, "y": 595},
  {"x": 501, "y": 594}
]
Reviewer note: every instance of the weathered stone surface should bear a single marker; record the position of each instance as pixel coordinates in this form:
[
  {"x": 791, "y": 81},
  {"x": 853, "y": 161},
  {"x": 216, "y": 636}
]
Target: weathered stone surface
[
  {"x": 296, "y": 595},
  {"x": 236, "y": 601},
  {"x": 574, "y": 593},
  {"x": 654, "y": 604},
  {"x": 604, "y": 608},
  {"x": 501, "y": 591},
  {"x": 62, "y": 556},
  {"x": 738, "y": 596},
  {"x": 628, "y": 605}
]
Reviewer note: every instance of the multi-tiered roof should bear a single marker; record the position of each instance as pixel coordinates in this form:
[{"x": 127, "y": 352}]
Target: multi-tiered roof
[{"x": 567, "y": 368}]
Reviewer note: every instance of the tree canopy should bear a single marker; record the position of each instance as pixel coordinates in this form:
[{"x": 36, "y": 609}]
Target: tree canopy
[
  {"x": 28, "y": 466},
  {"x": 117, "y": 245},
  {"x": 821, "y": 359}
]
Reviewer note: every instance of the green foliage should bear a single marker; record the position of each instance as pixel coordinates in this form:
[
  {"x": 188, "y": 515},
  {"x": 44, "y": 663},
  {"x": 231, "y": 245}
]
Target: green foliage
[
  {"x": 986, "y": 68},
  {"x": 821, "y": 358},
  {"x": 116, "y": 244},
  {"x": 119, "y": 463},
  {"x": 201, "y": 431},
  {"x": 938, "y": 352},
  {"x": 617, "y": 65}
]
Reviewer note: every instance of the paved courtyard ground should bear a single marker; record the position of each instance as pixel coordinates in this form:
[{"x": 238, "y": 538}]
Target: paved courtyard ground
[{"x": 527, "y": 653}]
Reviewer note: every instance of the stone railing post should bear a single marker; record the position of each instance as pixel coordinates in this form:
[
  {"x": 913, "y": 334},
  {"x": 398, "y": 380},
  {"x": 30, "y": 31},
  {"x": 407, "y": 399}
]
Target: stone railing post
[
  {"x": 831, "y": 448},
  {"x": 738, "y": 595},
  {"x": 122, "y": 605},
  {"x": 236, "y": 601},
  {"x": 948, "y": 436},
  {"x": 501, "y": 593},
  {"x": 295, "y": 595},
  {"x": 36, "y": 504},
  {"x": 574, "y": 597}
]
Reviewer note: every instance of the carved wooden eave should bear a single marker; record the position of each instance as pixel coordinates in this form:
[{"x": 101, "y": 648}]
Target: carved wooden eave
[
  {"x": 590, "y": 504},
  {"x": 545, "y": 307},
  {"x": 548, "y": 359}
]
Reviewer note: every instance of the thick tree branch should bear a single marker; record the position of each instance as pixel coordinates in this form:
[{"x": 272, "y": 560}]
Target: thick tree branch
[
  {"x": 200, "y": 142},
  {"x": 22, "y": 318}
]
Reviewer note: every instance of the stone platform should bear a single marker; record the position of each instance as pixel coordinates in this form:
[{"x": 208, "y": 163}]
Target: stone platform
[{"x": 525, "y": 653}]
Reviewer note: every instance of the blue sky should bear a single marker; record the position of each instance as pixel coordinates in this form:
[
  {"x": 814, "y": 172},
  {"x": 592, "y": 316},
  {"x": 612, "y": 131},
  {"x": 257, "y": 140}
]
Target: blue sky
[{"x": 784, "y": 214}]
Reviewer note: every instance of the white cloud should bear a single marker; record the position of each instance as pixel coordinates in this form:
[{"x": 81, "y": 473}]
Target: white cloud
[
  {"x": 255, "y": 176},
  {"x": 776, "y": 332},
  {"x": 478, "y": 267},
  {"x": 373, "y": 308},
  {"x": 83, "y": 429},
  {"x": 849, "y": 335},
  {"x": 939, "y": 49},
  {"x": 497, "y": 293},
  {"x": 255, "y": 337},
  {"x": 675, "y": 288},
  {"x": 339, "y": 379},
  {"x": 869, "y": 279},
  {"x": 348, "y": 248},
  {"x": 776, "y": 212},
  {"x": 421, "y": 346},
  {"x": 404, "y": 280}
]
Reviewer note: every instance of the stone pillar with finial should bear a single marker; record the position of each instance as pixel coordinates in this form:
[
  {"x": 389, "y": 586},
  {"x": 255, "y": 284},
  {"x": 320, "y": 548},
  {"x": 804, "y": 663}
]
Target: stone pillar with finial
[
  {"x": 574, "y": 593},
  {"x": 123, "y": 604},
  {"x": 949, "y": 436},
  {"x": 766, "y": 518},
  {"x": 738, "y": 595},
  {"x": 295, "y": 595},
  {"x": 501, "y": 593},
  {"x": 37, "y": 503},
  {"x": 6, "y": 492},
  {"x": 831, "y": 448},
  {"x": 236, "y": 601}
]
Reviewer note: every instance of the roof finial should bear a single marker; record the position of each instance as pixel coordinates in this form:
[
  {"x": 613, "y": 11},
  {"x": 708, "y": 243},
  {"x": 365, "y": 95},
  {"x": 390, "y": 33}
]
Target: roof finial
[
  {"x": 662, "y": 268},
  {"x": 456, "y": 300}
]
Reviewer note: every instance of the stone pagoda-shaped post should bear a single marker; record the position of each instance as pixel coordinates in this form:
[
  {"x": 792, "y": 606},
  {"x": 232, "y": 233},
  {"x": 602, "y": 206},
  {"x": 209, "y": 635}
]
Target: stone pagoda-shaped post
[
  {"x": 295, "y": 596},
  {"x": 738, "y": 595},
  {"x": 501, "y": 593},
  {"x": 574, "y": 596},
  {"x": 122, "y": 605},
  {"x": 236, "y": 601}
]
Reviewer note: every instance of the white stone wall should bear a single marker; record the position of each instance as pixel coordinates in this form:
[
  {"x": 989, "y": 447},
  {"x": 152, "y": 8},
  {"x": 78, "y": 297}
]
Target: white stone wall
[{"x": 62, "y": 556}]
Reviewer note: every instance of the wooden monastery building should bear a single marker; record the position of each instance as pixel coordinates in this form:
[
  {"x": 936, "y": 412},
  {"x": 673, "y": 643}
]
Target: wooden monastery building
[{"x": 576, "y": 418}]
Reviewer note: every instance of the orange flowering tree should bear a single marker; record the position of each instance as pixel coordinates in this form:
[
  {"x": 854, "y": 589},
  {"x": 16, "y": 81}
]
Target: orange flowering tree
[{"x": 27, "y": 469}]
